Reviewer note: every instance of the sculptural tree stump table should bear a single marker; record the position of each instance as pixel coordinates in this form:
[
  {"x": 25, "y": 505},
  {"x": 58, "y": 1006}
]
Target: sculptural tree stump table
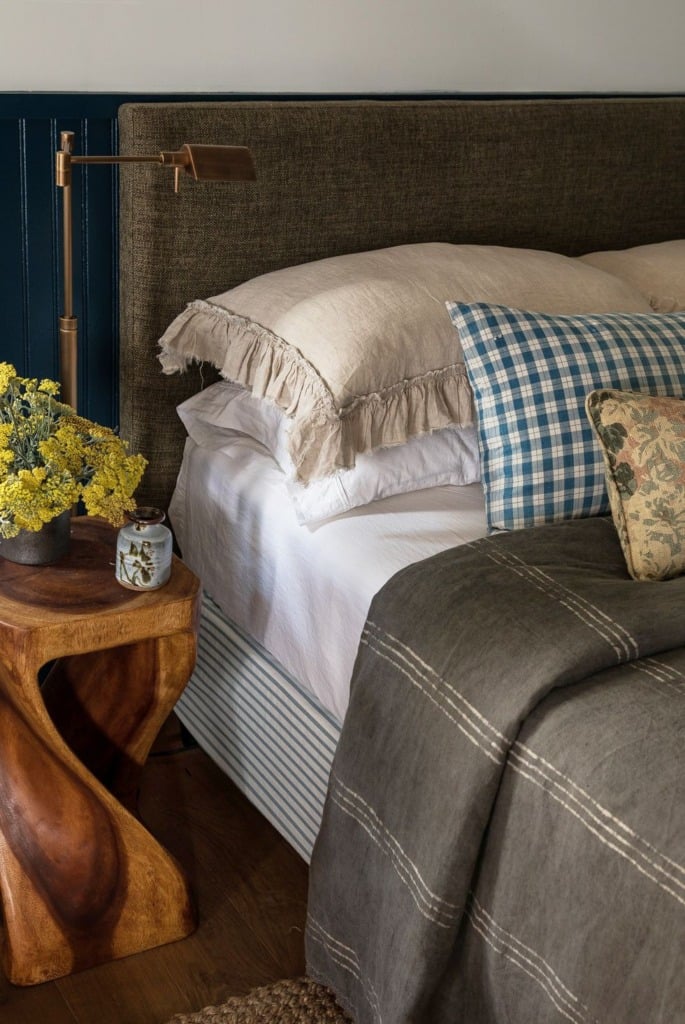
[{"x": 81, "y": 879}]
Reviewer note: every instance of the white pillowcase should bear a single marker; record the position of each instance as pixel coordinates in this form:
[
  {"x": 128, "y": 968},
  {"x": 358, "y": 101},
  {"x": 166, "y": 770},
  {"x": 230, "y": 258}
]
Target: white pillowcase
[
  {"x": 657, "y": 270},
  {"x": 447, "y": 456}
]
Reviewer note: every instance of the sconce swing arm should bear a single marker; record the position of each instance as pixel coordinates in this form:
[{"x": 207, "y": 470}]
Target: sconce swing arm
[{"x": 201, "y": 162}]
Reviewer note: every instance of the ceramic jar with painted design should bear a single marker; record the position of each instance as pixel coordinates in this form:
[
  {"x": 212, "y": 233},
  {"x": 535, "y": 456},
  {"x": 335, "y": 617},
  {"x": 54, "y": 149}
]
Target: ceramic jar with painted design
[{"x": 144, "y": 550}]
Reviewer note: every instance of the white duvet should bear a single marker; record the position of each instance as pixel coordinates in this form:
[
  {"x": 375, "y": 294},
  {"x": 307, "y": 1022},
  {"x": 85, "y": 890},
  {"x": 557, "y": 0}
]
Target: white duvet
[{"x": 303, "y": 592}]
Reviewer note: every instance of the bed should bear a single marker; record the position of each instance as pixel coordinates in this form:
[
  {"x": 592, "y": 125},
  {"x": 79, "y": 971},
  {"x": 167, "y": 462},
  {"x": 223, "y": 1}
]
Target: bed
[{"x": 351, "y": 177}]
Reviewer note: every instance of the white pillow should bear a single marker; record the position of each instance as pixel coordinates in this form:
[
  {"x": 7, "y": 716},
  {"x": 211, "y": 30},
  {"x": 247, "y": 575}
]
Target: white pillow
[
  {"x": 357, "y": 349},
  {"x": 447, "y": 456},
  {"x": 657, "y": 270}
]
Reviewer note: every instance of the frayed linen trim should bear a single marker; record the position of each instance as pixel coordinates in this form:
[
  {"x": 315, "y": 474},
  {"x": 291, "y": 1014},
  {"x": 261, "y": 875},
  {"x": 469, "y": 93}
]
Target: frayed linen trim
[{"x": 324, "y": 438}]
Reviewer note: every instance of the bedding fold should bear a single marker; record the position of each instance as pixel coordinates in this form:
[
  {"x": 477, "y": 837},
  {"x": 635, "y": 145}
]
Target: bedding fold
[{"x": 413, "y": 904}]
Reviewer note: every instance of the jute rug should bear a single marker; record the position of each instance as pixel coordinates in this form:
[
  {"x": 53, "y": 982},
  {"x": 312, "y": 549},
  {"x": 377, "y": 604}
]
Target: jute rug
[{"x": 297, "y": 1001}]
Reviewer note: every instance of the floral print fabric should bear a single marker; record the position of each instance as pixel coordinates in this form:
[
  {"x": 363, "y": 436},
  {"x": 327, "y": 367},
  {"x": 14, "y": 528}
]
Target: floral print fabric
[{"x": 643, "y": 443}]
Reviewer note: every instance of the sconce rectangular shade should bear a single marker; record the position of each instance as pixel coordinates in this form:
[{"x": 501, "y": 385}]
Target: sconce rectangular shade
[{"x": 219, "y": 163}]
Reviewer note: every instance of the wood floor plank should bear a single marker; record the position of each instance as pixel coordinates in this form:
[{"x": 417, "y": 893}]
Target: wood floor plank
[
  {"x": 251, "y": 892},
  {"x": 42, "y": 1004},
  {"x": 267, "y": 880}
]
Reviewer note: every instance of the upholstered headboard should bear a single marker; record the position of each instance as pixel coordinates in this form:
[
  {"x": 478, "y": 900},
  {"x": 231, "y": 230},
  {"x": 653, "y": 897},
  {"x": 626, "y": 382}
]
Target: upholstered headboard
[{"x": 341, "y": 176}]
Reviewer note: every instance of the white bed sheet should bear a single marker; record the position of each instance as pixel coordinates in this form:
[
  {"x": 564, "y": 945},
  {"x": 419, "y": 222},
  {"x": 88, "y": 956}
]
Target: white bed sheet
[{"x": 303, "y": 592}]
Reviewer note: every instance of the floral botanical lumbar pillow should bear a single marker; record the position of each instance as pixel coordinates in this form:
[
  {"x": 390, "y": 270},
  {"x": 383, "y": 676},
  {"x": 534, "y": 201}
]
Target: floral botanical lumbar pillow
[{"x": 643, "y": 443}]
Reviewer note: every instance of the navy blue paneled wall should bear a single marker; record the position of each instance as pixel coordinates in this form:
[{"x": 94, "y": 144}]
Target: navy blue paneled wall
[
  {"x": 31, "y": 238},
  {"x": 31, "y": 251}
]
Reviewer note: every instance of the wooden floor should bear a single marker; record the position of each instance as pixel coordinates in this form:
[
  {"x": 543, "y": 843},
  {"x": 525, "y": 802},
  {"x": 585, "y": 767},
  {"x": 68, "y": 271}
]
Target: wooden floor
[{"x": 251, "y": 891}]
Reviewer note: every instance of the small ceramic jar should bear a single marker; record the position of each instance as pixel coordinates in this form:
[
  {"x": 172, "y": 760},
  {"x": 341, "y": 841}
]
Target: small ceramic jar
[{"x": 144, "y": 551}]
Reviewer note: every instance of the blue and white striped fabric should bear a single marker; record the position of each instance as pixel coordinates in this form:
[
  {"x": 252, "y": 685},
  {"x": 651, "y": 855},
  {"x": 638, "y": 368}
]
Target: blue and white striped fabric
[
  {"x": 262, "y": 728},
  {"x": 530, "y": 374}
]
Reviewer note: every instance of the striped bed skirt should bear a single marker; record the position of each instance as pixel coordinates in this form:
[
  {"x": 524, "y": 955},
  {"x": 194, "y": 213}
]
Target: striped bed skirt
[{"x": 261, "y": 727}]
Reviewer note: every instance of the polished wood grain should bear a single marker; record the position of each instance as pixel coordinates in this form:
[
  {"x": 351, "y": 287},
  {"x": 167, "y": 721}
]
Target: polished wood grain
[
  {"x": 251, "y": 890},
  {"x": 82, "y": 881}
]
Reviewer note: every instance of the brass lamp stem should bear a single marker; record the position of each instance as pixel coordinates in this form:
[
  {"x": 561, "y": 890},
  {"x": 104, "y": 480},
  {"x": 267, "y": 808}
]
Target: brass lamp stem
[{"x": 68, "y": 325}]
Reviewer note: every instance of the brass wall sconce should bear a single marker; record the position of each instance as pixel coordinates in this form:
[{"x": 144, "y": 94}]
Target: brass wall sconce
[{"x": 201, "y": 162}]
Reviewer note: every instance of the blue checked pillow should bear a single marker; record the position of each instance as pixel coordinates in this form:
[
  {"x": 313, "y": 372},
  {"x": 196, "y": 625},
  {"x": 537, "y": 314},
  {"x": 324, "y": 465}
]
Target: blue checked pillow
[{"x": 530, "y": 374}]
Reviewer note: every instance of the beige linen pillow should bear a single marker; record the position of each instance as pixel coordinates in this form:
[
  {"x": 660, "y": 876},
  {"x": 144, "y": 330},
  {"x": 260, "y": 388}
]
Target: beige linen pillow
[
  {"x": 358, "y": 349},
  {"x": 643, "y": 443},
  {"x": 657, "y": 270}
]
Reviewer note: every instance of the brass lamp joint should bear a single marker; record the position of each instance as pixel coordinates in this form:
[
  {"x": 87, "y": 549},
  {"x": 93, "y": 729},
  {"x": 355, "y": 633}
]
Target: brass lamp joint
[
  {"x": 179, "y": 161},
  {"x": 179, "y": 158},
  {"x": 63, "y": 160},
  {"x": 62, "y": 168}
]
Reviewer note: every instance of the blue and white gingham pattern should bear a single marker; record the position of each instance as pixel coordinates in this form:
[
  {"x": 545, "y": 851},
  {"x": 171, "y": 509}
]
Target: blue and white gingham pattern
[{"x": 530, "y": 374}]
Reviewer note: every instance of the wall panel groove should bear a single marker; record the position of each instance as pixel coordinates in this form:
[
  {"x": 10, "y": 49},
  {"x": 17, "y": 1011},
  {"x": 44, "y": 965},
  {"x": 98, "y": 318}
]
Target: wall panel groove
[{"x": 24, "y": 258}]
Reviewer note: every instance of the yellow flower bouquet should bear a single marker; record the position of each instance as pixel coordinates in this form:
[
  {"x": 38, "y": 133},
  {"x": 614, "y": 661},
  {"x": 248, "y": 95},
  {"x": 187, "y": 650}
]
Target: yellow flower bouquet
[{"x": 51, "y": 458}]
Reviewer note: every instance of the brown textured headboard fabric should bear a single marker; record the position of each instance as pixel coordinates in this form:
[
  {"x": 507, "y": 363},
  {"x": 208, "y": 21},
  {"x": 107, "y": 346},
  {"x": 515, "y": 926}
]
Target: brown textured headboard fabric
[{"x": 567, "y": 175}]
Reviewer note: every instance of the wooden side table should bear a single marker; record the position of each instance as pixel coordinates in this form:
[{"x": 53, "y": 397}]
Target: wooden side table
[{"x": 81, "y": 879}]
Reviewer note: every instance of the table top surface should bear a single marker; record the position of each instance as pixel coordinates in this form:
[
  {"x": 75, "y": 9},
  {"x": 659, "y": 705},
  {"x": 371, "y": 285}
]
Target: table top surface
[{"x": 82, "y": 584}]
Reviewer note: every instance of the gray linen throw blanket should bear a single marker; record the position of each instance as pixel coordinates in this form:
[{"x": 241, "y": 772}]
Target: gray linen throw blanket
[{"x": 504, "y": 834}]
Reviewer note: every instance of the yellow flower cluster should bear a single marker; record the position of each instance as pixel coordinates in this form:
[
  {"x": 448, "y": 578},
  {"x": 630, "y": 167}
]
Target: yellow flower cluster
[{"x": 50, "y": 458}]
